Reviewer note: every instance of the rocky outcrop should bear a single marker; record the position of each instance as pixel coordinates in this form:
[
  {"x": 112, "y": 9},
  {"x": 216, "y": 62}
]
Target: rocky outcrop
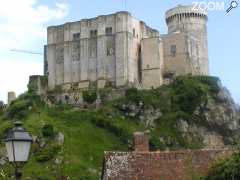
[
  {"x": 145, "y": 114},
  {"x": 216, "y": 121}
]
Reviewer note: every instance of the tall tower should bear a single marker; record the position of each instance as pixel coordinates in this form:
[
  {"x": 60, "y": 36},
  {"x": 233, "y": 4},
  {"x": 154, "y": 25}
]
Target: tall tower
[{"x": 191, "y": 22}]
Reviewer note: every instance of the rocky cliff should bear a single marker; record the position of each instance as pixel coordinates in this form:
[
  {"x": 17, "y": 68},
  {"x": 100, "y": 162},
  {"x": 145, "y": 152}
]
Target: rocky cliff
[{"x": 198, "y": 108}]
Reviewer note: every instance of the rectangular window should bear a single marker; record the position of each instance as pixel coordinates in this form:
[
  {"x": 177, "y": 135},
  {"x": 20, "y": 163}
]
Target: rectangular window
[
  {"x": 110, "y": 46},
  {"x": 108, "y": 31},
  {"x": 93, "y": 33},
  {"x": 173, "y": 50},
  {"x": 76, "y": 36}
]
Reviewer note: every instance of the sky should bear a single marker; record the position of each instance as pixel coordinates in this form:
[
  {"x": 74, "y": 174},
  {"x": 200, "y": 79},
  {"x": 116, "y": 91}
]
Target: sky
[{"x": 23, "y": 26}]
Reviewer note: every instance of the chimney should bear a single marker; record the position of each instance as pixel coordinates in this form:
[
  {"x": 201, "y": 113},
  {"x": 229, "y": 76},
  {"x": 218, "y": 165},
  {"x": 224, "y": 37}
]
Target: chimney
[{"x": 141, "y": 141}]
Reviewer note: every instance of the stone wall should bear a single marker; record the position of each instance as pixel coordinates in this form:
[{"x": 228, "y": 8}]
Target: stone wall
[
  {"x": 38, "y": 84},
  {"x": 11, "y": 97},
  {"x": 141, "y": 164},
  {"x": 175, "y": 165},
  {"x": 176, "y": 56},
  {"x": 106, "y": 47},
  {"x": 151, "y": 63}
]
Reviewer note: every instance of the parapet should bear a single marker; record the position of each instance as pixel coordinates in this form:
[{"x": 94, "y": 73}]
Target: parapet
[{"x": 187, "y": 11}]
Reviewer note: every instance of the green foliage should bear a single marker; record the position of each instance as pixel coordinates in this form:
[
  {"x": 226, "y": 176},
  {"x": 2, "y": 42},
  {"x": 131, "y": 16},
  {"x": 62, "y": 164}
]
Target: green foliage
[
  {"x": 213, "y": 83},
  {"x": 19, "y": 108},
  {"x": 226, "y": 169},
  {"x": 156, "y": 144},
  {"x": 133, "y": 95},
  {"x": 109, "y": 125},
  {"x": 47, "y": 153},
  {"x": 187, "y": 94},
  {"x": 90, "y": 132},
  {"x": 90, "y": 96},
  {"x": 48, "y": 131}
]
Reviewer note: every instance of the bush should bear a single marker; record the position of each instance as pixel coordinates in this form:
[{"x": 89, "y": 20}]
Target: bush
[
  {"x": 48, "y": 154},
  {"x": 48, "y": 131},
  {"x": 187, "y": 94},
  {"x": 133, "y": 95},
  {"x": 89, "y": 96},
  {"x": 18, "y": 109},
  {"x": 155, "y": 144},
  {"x": 107, "y": 124},
  {"x": 227, "y": 169}
]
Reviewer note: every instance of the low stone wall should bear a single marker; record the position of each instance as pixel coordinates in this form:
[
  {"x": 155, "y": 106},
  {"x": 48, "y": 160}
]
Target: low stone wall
[{"x": 175, "y": 165}]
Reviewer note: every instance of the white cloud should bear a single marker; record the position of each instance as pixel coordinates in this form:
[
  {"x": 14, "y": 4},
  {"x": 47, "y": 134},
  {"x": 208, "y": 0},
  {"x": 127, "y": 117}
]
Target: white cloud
[
  {"x": 23, "y": 26},
  {"x": 15, "y": 75},
  {"x": 22, "y": 21}
]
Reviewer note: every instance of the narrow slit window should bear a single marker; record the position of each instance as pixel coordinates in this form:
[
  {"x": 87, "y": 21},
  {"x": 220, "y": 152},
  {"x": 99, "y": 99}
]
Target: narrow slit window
[{"x": 173, "y": 50}]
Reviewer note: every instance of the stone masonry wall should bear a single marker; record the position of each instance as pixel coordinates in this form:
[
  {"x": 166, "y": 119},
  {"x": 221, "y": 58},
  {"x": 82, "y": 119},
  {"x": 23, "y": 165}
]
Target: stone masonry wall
[{"x": 175, "y": 165}]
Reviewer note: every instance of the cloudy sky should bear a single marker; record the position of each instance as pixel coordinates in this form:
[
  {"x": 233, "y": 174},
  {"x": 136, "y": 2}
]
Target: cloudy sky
[{"x": 23, "y": 26}]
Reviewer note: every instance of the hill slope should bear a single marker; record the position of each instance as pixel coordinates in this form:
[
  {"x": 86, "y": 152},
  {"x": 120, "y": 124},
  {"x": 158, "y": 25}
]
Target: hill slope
[{"x": 193, "y": 112}]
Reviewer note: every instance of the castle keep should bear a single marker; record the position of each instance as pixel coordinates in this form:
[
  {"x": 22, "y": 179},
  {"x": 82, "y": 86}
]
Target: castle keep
[{"x": 120, "y": 50}]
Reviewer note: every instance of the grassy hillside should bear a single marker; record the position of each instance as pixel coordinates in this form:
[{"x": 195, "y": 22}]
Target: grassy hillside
[{"x": 90, "y": 132}]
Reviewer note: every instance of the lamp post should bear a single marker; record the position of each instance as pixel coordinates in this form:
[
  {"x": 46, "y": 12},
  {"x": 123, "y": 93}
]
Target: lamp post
[{"x": 18, "y": 142}]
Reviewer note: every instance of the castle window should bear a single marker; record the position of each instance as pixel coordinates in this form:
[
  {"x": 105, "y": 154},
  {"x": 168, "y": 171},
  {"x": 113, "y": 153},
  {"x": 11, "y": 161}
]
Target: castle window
[
  {"x": 110, "y": 46},
  {"x": 76, "y": 36},
  {"x": 108, "y": 31},
  {"x": 173, "y": 50},
  {"x": 134, "y": 32},
  {"x": 93, "y": 33}
]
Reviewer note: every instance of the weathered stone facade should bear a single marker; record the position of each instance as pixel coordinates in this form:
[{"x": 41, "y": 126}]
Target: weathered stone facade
[{"x": 122, "y": 50}]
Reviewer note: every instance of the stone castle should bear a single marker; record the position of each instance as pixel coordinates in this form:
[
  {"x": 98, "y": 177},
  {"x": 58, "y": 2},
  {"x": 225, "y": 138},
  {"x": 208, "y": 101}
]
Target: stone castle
[{"x": 120, "y": 50}]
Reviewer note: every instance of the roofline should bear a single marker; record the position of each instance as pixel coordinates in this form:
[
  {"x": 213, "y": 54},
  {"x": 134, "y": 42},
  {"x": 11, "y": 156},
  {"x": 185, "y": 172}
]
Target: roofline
[{"x": 93, "y": 18}]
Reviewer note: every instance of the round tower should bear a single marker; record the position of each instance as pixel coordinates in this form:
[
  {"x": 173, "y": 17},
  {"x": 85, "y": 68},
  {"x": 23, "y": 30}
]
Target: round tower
[{"x": 191, "y": 21}]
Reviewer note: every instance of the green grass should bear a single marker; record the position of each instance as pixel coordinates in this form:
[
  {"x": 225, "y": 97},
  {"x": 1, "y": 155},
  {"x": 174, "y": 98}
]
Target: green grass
[
  {"x": 83, "y": 147},
  {"x": 88, "y": 133}
]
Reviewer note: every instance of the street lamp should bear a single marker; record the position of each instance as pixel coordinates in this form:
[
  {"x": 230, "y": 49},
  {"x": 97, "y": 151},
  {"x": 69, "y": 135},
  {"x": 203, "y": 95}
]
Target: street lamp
[{"x": 18, "y": 142}]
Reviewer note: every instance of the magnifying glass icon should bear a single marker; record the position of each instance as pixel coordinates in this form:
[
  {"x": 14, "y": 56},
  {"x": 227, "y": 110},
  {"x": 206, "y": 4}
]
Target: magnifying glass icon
[{"x": 233, "y": 5}]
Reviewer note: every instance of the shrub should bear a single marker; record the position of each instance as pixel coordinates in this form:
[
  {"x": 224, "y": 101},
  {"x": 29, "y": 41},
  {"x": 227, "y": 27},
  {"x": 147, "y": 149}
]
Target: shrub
[
  {"x": 18, "y": 109},
  {"x": 109, "y": 125},
  {"x": 214, "y": 83},
  {"x": 227, "y": 169},
  {"x": 48, "y": 153},
  {"x": 89, "y": 96},
  {"x": 155, "y": 144},
  {"x": 48, "y": 131},
  {"x": 133, "y": 95},
  {"x": 187, "y": 94}
]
